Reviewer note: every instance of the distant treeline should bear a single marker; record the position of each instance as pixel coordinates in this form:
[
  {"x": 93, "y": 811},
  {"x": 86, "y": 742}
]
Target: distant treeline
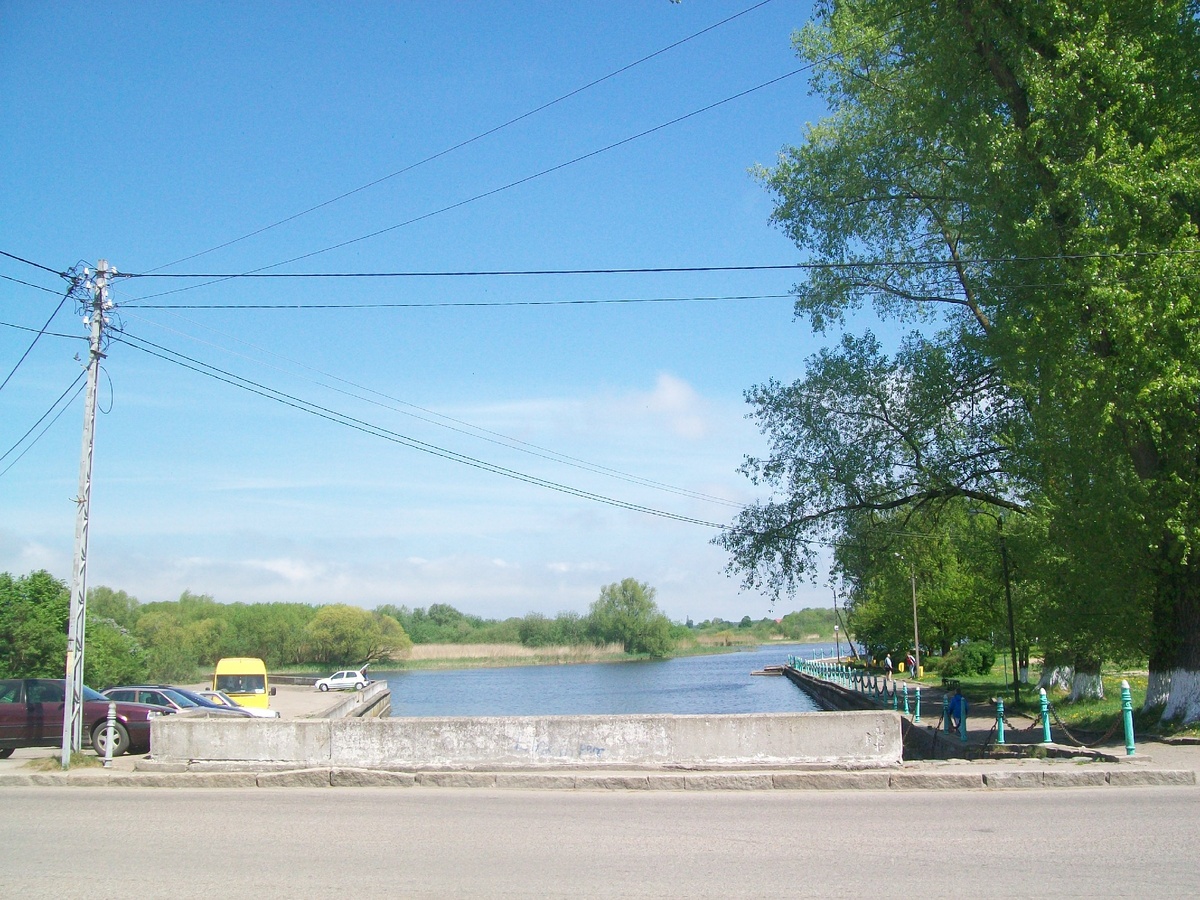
[{"x": 179, "y": 640}]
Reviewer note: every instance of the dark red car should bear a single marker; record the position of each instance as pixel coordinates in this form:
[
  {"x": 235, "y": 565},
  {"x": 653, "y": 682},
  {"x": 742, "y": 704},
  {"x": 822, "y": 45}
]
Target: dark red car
[{"x": 32, "y": 710}]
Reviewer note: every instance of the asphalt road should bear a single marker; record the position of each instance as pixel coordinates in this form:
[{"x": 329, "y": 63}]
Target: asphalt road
[{"x": 428, "y": 842}]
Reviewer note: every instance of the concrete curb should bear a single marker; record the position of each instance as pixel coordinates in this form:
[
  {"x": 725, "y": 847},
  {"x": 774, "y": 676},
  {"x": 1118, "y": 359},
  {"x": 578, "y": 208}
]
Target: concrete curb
[{"x": 1023, "y": 779}]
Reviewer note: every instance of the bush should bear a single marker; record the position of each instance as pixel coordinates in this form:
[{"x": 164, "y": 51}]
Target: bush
[{"x": 974, "y": 658}]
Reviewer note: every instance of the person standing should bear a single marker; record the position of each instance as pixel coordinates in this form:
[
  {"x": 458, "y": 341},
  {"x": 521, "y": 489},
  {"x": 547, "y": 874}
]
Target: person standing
[
  {"x": 887, "y": 666},
  {"x": 910, "y": 663}
]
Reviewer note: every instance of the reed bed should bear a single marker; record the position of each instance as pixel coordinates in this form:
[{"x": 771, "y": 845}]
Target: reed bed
[{"x": 499, "y": 654}]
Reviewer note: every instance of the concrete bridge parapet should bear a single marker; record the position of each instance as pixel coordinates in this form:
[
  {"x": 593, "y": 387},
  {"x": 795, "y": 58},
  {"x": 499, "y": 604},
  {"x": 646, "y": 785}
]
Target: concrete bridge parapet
[{"x": 852, "y": 740}]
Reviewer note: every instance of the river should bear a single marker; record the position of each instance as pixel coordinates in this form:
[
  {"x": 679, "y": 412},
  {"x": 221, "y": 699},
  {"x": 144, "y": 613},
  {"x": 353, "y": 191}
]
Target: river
[{"x": 719, "y": 683}]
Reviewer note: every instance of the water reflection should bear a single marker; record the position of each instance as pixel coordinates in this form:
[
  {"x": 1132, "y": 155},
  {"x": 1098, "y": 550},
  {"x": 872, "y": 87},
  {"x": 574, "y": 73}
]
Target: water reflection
[{"x": 689, "y": 685}]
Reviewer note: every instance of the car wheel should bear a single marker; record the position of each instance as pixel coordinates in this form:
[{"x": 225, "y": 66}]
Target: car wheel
[
  {"x": 120, "y": 739},
  {"x": 6, "y": 752},
  {"x": 323, "y": 687},
  {"x": 359, "y": 685}
]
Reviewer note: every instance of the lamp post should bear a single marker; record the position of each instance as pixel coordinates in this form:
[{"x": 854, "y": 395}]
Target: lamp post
[
  {"x": 912, "y": 569},
  {"x": 916, "y": 635},
  {"x": 1012, "y": 630},
  {"x": 839, "y": 641}
]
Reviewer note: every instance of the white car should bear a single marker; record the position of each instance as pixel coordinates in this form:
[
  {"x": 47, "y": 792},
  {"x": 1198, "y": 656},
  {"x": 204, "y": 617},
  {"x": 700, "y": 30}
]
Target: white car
[
  {"x": 346, "y": 680},
  {"x": 224, "y": 699}
]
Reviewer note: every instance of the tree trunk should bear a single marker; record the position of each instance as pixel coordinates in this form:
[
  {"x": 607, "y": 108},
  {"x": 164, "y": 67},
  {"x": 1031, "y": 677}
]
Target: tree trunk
[
  {"x": 1175, "y": 652},
  {"x": 1158, "y": 689},
  {"x": 1086, "y": 683},
  {"x": 1056, "y": 673}
]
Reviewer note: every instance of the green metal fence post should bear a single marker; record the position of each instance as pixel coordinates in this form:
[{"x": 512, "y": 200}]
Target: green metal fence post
[
  {"x": 999, "y": 720},
  {"x": 1045, "y": 704},
  {"x": 945, "y": 714},
  {"x": 906, "y": 698},
  {"x": 917, "y": 717},
  {"x": 962, "y": 722},
  {"x": 1127, "y": 712}
]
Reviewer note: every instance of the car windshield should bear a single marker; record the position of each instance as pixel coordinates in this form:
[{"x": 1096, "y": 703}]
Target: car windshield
[
  {"x": 89, "y": 694},
  {"x": 181, "y": 699}
]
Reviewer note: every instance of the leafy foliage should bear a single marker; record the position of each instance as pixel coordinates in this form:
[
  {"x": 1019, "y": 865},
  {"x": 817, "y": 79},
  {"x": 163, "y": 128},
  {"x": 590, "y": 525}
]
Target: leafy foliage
[
  {"x": 626, "y": 614},
  {"x": 974, "y": 658},
  {"x": 1023, "y": 180}
]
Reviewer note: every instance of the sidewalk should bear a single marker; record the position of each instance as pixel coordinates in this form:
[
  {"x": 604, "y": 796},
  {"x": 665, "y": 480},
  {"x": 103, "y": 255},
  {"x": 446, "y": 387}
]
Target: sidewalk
[{"x": 1023, "y": 734}]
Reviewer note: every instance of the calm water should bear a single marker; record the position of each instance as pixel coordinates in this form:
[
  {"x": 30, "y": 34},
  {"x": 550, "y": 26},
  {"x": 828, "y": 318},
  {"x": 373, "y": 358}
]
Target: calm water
[{"x": 690, "y": 685}]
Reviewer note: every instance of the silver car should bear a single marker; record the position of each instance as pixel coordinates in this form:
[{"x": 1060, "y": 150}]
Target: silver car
[{"x": 346, "y": 680}]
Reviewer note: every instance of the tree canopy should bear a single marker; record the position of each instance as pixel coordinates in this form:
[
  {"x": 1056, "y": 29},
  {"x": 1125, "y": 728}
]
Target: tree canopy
[{"x": 1020, "y": 183}]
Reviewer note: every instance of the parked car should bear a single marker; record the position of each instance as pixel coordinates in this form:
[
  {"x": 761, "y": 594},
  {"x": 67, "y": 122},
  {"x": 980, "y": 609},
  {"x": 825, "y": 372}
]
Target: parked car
[
  {"x": 220, "y": 697},
  {"x": 172, "y": 698},
  {"x": 348, "y": 679},
  {"x": 32, "y": 711}
]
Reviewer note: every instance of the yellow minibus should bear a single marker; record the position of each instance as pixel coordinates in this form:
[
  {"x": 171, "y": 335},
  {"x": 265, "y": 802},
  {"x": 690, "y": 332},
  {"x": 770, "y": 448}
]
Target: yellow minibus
[{"x": 244, "y": 679}]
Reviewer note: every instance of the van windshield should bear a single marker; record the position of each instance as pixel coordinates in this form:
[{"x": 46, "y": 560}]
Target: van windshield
[{"x": 242, "y": 684}]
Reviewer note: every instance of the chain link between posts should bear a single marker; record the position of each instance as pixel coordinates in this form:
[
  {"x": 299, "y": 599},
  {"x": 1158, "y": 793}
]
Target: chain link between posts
[{"x": 1078, "y": 743}]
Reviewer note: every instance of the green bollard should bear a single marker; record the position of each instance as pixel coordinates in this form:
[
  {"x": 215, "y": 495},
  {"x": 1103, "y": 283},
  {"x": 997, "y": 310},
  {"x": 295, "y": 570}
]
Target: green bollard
[
  {"x": 1127, "y": 711},
  {"x": 1045, "y": 704},
  {"x": 962, "y": 723},
  {"x": 906, "y": 698},
  {"x": 917, "y": 717},
  {"x": 999, "y": 721},
  {"x": 893, "y": 693},
  {"x": 945, "y": 714}
]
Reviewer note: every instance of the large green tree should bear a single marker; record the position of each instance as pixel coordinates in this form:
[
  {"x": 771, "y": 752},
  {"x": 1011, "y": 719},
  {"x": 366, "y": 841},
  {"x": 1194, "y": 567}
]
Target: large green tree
[
  {"x": 347, "y": 635},
  {"x": 626, "y": 614},
  {"x": 1026, "y": 174}
]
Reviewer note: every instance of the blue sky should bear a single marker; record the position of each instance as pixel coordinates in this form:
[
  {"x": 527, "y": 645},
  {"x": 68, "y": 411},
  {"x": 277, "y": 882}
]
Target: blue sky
[{"x": 148, "y": 133}]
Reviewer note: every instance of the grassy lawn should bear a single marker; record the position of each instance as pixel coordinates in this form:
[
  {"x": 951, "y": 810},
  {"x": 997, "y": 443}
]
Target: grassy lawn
[{"x": 1087, "y": 717}]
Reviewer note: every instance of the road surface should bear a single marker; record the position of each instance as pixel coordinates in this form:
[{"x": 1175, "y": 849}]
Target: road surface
[{"x": 430, "y": 842}]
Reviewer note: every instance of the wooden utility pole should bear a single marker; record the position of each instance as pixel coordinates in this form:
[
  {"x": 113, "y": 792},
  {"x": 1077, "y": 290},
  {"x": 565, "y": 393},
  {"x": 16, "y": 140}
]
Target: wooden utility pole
[{"x": 73, "y": 710}]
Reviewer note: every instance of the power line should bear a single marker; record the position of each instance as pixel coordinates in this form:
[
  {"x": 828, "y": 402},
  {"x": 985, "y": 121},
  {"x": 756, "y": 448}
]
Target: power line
[
  {"x": 492, "y": 192},
  {"x": 42, "y": 331},
  {"x": 73, "y": 385},
  {"x": 470, "y": 430},
  {"x": 469, "y": 303},
  {"x": 348, "y": 421},
  {"x": 35, "y": 265},
  {"x": 652, "y": 270},
  {"x": 472, "y": 140},
  {"x": 30, "y": 284},
  {"x": 57, "y": 334}
]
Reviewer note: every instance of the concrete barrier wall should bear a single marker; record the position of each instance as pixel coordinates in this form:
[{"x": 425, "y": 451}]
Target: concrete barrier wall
[
  {"x": 847, "y": 739},
  {"x": 373, "y": 700},
  {"x": 829, "y": 695}
]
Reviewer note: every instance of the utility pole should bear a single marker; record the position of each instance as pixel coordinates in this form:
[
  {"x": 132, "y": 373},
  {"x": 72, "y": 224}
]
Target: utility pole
[{"x": 73, "y": 710}]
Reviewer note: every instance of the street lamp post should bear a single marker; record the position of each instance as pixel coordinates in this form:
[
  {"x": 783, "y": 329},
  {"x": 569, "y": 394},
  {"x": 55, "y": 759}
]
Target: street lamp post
[
  {"x": 912, "y": 570},
  {"x": 1012, "y": 630},
  {"x": 916, "y": 635},
  {"x": 839, "y": 641}
]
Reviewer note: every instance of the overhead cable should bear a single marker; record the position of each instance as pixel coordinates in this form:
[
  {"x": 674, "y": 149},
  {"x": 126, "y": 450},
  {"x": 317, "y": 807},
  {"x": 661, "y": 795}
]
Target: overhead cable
[
  {"x": 460, "y": 426},
  {"x": 41, "y": 419},
  {"x": 468, "y": 141},
  {"x": 492, "y": 192},
  {"x": 822, "y": 265},
  {"x": 389, "y": 435},
  {"x": 466, "y": 303}
]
